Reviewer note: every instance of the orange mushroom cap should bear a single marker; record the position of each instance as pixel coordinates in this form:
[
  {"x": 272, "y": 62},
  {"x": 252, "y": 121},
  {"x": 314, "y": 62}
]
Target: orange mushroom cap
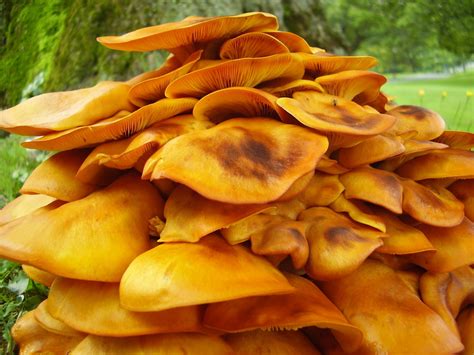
[
  {"x": 413, "y": 149},
  {"x": 157, "y": 344},
  {"x": 371, "y": 150},
  {"x": 453, "y": 247},
  {"x": 252, "y": 45},
  {"x": 153, "y": 89},
  {"x": 56, "y": 177},
  {"x": 38, "y": 275},
  {"x": 307, "y": 306},
  {"x": 94, "y": 308},
  {"x": 428, "y": 124},
  {"x": 322, "y": 190},
  {"x": 32, "y": 338},
  {"x": 281, "y": 240},
  {"x": 190, "y": 216},
  {"x": 373, "y": 185},
  {"x": 238, "y": 102},
  {"x": 94, "y": 238},
  {"x": 360, "y": 86},
  {"x": 170, "y": 64},
  {"x": 23, "y": 205},
  {"x": 435, "y": 206},
  {"x": 292, "y": 41},
  {"x": 328, "y": 113},
  {"x": 402, "y": 238},
  {"x": 359, "y": 212},
  {"x": 464, "y": 191},
  {"x": 242, "y": 230},
  {"x": 164, "y": 277},
  {"x": 239, "y": 160},
  {"x": 321, "y": 63},
  {"x": 269, "y": 342},
  {"x": 282, "y": 88},
  {"x": 126, "y": 153},
  {"x": 59, "y": 111},
  {"x": 113, "y": 128},
  {"x": 374, "y": 296},
  {"x": 190, "y": 31},
  {"x": 337, "y": 245},
  {"x": 457, "y": 139},
  {"x": 330, "y": 166},
  {"x": 439, "y": 164},
  {"x": 248, "y": 72},
  {"x": 448, "y": 293},
  {"x": 465, "y": 322},
  {"x": 53, "y": 325}
]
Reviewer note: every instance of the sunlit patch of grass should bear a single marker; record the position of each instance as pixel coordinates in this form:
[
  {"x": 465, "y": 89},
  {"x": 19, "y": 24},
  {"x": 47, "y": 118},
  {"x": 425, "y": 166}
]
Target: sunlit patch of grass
[{"x": 451, "y": 97}]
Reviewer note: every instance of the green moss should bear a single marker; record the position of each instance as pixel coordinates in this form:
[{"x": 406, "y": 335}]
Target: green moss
[{"x": 31, "y": 43}]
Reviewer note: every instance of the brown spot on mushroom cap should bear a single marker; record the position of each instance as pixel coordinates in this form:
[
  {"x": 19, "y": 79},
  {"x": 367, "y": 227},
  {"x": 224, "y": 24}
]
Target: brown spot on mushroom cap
[
  {"x": 248, "y": 72},
  {"x": 428, "y": 124},
  {"x": 247, "y": 161},
  {"x": 373, "y": 296},
  {"x": 337, "y": 245}
]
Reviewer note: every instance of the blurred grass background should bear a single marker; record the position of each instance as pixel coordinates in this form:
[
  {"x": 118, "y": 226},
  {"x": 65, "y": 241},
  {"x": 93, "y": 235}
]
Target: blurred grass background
[
  {"x": 452, "y": 97},
  {"x": 425, "y": 47}
]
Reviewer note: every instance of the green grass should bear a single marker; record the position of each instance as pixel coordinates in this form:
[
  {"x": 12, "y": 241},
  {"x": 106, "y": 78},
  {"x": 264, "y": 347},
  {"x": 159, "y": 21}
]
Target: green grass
[
  {"x": 18, "y": 294},
  {"x": 456, "y": 108}
]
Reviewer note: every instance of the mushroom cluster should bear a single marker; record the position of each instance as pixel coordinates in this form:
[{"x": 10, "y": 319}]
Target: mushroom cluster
[{"x": 253, "y": 195}]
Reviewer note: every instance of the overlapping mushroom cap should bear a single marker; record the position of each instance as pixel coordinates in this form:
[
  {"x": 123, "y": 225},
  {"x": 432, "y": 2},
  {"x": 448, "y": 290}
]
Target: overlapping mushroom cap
[
  {"x": 64, "y": 110},
  {"x": 275, "y": 159},
  {"x": 239, "y": 160},
  {"x": 94, "y": 238}
]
